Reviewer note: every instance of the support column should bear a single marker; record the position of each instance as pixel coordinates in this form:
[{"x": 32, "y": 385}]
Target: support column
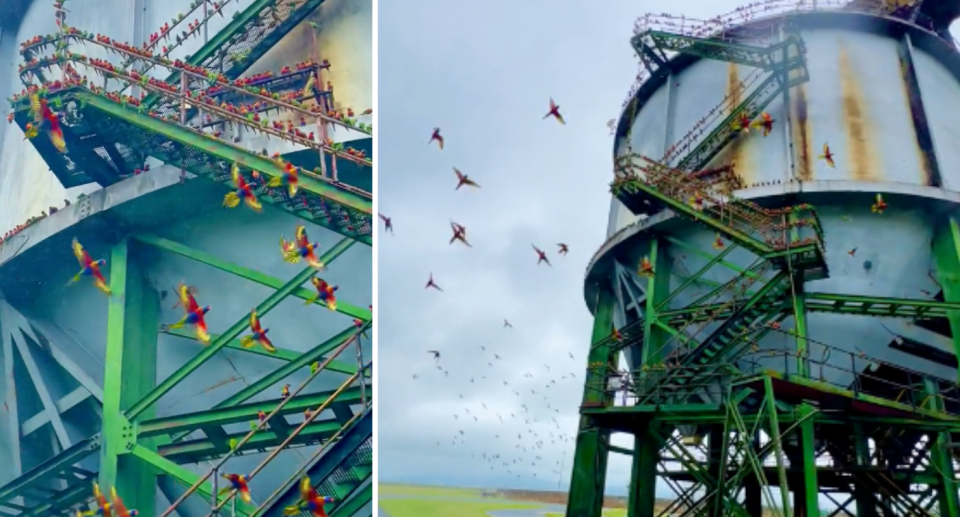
[
  {"x": 658, "y": 289},
  {"x": 940, "y": 457},
  {"x": 588, "y": 480},
  {"x": 866, "y": 501},
  {"x": 643, "y": 475},
  {"x": 946, "y": 252},
  {"x": 131, "y": 372},
  {"x": 808, "y": 500}
]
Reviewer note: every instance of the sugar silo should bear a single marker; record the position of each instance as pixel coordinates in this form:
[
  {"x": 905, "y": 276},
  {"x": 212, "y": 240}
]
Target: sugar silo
[{"x": 781, "y": 267}]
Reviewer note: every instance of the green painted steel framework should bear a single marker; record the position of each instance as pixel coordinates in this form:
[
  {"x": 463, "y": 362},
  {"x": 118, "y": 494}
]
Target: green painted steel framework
[
  {"x": 135, "y": 447},
  {"x": 733, "y": 429}
]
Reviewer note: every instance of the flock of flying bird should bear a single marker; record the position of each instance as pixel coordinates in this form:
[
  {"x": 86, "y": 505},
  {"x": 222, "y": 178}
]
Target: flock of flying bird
[{"x": 535, "y": 394}]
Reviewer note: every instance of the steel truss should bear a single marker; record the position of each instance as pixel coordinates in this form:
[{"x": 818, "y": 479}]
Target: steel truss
[
  {"x": 180, "y": 121},
  {"x": 134, "y": 445},
  {"x": 732, "y": 428}
]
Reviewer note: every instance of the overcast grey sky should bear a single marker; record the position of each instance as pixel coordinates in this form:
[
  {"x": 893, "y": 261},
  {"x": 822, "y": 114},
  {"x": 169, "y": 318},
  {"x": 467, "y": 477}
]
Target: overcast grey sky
[{"x": 484, "y": 73}]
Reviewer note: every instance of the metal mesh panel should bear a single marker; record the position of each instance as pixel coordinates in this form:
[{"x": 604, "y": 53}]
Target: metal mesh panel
[{"x": 345, "y": 475}]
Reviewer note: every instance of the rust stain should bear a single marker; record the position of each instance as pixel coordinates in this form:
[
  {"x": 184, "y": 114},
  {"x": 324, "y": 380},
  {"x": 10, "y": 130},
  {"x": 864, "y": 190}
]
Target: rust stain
[
  {"x": 925, "y": 165},
  {"x": 861, "y": 157},
  {"x": 801, "y": 134},
  {"x": 735, "y": 152}
]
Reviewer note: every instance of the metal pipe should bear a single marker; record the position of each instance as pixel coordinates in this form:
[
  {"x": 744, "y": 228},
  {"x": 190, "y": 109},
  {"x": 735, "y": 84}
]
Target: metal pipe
[
  {"x": 313, "y": 415},
  {"x": 363, "y": 380},
  {"x": 214, "y": 490},
  {"x": 262, "y": 424}
]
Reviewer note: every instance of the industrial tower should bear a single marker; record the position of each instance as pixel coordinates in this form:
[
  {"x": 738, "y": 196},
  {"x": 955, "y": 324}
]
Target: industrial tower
[
  {"x": 100, "y": 389},
  {"x": 781, "y": 267}
]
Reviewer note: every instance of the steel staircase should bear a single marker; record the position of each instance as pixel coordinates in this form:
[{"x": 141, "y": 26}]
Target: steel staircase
[
  {"x": 340, "y": 472},
  {"x": 785, "y": 240}
]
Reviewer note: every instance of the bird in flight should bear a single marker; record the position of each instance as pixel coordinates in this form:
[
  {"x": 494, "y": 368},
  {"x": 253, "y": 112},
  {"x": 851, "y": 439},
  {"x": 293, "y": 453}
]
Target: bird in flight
[
  {"x": 436, "y": 137},
  {"x": 431, "y": 283},
  {"x": 541, "y": 256},
  {"x": 564, "y": 249},
  {"x": 506, "y": 324},
  {"x": 459, "y": 233},
  {"x": 463, "y": 179},
  {"x": 827, "y": 156},
  {"x": 555, "y": 112},
  {"x": 387, "y": 223}
]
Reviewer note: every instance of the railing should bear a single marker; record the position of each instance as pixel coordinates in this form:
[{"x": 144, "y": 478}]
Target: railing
[
  {"x": 837, "y": 367},
  {"x": 721, "y": 26},
  {"x": 765, "y": 225}
]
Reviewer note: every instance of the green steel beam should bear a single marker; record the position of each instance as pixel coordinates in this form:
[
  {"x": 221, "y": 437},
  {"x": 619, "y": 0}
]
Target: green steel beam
[
  {"x": 765, "y": 57},
  {"x": 282, "y": 353},
  {"x": 587, "y": 483},
  {"x": 941, "y": 459},
  {"x": 195, "y": 451},
  {"x": 353, "y": 505},
  {"x": 357, "y": 206},
  {"x": 221, "y": 149},
  {"x": 682, "y": 207},
  {"x": 184, "y": 476},
  {"x": 879, "y": 306},
  {"x": 49, "y": 468},
  {"x": 946, "y": 254},
  {"x": 272, "y": 378},
  {"x": 810, "y": 487},
  {"x": 255, "y": 276},
  {"x": 130, "y": 371},
  {"x": 657, "y": 297},
  {"x": 209, "y": 351},
  {"x": 288, "y": 369},
  {"x": 233, "y": 414}
]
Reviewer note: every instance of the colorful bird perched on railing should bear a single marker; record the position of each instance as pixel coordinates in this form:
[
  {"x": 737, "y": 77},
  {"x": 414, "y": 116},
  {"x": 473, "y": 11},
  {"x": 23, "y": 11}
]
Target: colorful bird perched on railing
[
  {"x": 193, "y": 313},
  {"x": 30, "y": 131},
  {"x": 243, "y": 191},
  {"x": 325, "y": 293},
  {"x": 259, "y": 335},
  {"x": 291, "y": 177},
  {"x": 310, "y": 501},
  {"x": 89, "y": 267},
  {"x": 238, "y": 483},
  {"x": 300, "y": 248},
  {"x": 879, "y": 205},
  {"x": 119, "y": 509}
]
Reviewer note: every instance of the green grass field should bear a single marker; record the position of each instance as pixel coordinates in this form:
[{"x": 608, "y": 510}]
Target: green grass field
[
  {"x": 405, "y": 501},
  {"x": 427, "y": 491},
  {"x": 427, "y": 508}
]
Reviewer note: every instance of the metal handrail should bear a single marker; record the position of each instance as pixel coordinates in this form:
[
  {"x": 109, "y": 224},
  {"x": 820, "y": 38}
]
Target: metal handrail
[{"x": 262, "y": 424}]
